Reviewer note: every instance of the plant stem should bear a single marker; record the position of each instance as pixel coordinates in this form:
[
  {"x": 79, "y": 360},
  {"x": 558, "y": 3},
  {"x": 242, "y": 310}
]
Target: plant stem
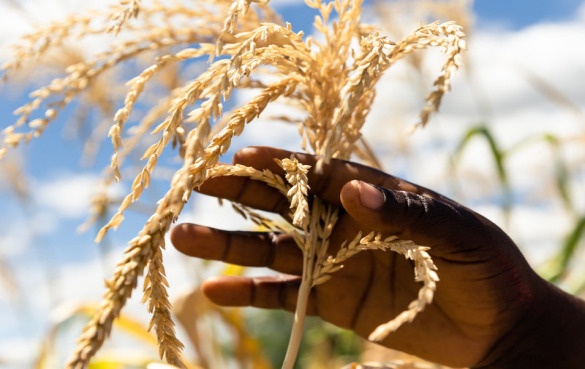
[{"x": 300, "y": 313}]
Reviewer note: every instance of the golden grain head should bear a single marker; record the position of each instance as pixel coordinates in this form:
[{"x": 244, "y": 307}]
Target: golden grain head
[{"x": 328, "y": 77}]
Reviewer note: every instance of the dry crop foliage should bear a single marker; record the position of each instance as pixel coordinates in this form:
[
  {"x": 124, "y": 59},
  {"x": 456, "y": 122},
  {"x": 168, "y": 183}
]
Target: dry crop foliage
[{"x": 332, "y": 80}]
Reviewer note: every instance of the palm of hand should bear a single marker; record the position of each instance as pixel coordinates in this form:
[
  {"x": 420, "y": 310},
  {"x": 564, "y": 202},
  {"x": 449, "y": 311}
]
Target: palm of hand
[
  {"x": 375, "y": 286},
  {"x": 474, "y": 304}
]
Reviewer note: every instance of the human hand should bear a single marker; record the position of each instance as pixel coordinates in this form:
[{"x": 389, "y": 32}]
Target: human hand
[{"x": 486, "y": 286}]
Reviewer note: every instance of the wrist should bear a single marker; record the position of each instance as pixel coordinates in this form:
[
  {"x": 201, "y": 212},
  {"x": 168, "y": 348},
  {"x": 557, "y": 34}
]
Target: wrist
[{"x": 551, "y": 334}]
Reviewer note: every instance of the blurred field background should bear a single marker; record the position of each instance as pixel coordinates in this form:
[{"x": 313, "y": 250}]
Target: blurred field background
[{"x": 509, "y": 142}]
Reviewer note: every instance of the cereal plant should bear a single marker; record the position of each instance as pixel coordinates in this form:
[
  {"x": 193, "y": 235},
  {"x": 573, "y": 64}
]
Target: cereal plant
[{"x": 331, "y": 78}]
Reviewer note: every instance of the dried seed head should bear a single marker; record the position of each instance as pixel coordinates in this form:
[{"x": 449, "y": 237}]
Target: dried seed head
[{"x": 333, "y": 81}]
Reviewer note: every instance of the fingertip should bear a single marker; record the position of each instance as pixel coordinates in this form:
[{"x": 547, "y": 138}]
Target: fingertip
[
  {"x": 209, "y": 285},
  {"x": 349, "y": 194},
  {"x": 359, "y": 194},
  {"x": 228, "y": 291},
  {"x": 178, "y": 235},
  {"x": 244, "y": 155},
  {"x": 366, "y": 203},
  {"x": 195, "y": 240},
  {"x": 209, "y": 289}
]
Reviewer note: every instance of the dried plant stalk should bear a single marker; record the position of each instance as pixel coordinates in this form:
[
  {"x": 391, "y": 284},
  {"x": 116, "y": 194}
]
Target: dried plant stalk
[
  {"x": 314, "y": 243},
  {"x": 296, "y": 175}
]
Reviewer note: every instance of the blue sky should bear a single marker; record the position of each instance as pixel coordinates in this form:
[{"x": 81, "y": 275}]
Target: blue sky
[
  {"x": 517, "y": 14},
  {"x": 511, "y": 14},
  {"x": 509, "y": 35}
]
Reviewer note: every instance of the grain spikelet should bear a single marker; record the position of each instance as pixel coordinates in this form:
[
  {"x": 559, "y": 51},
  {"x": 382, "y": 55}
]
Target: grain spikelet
[
  {"x": 451, "y": 47},
  {"x": 424, "y": 271},
  {"x": 236, "y": 123},
  {"x": 140, "y": 252},
  {"x": 239, "y": 7},
  {"x": 159, "y": 306},
  {"x": 265, "y": 176},
  {"x": 381, "y": 53},
  {"x": 296, "y": 175},
  {"x": 34, "y": 45},
  {"x": 65, "y": 90},
  {"x": 136, "y": 88},
  {"x": 131, "y": 9}
]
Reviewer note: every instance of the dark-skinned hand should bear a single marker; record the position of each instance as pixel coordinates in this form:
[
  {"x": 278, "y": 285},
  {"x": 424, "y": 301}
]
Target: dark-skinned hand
[{"x": 490, "y": 309}]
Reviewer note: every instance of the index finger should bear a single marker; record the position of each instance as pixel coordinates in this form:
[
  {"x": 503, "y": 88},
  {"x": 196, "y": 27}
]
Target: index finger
[{"x": 326, "y": 184}]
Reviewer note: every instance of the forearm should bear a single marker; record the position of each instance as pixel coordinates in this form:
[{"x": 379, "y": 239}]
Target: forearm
[{"x": 550, "y": 335}]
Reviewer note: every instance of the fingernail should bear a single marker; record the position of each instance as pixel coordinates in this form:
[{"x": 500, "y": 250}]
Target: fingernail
[{"x": 371, "y": 196}]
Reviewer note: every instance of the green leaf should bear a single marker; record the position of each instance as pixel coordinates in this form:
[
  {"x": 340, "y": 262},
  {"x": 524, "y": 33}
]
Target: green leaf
[
  {"x": 498, "y": 156},
  {"x": 562, "y": 260}
]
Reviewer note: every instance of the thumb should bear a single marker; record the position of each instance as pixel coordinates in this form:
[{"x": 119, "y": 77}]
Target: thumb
[{"x": 446, "y": 227}]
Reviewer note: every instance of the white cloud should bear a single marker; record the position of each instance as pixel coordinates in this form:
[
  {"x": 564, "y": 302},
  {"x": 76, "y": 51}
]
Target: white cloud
[
  {"x": 14, "y": 240},
  {"x": 208, "y": 212},
  {"x": 69, "y": 195},
  {"x": 536, "y": 229},
  {"x": 553, "y": 52},
  {"x": 20, "y": 16}
]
